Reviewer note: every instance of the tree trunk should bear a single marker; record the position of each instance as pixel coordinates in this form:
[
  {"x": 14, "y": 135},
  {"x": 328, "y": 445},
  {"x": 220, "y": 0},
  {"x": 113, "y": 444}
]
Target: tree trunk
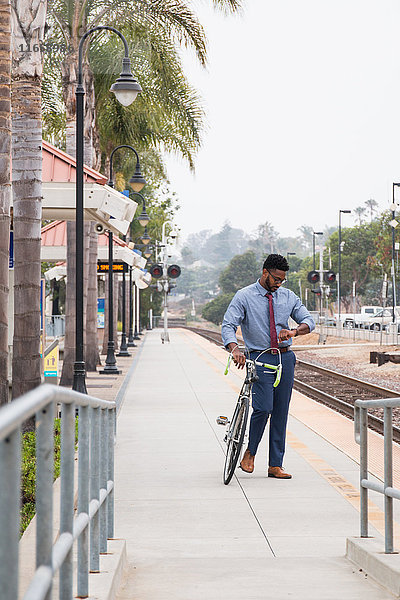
[
  {"x": 28, "y": 20},
  {"x": 92, "y": 345},
  {"x": 86, "y": 246},
  {"x": 5, "y": 186},
  {"x": 67, "y": 375}
]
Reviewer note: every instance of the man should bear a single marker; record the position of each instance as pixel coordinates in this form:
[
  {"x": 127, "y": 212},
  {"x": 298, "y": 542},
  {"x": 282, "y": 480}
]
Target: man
[{"x": 262, "y": 309}]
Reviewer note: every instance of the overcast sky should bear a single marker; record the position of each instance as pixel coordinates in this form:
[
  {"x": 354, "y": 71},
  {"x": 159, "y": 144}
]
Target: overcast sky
[{"x": 303, "y": 115}]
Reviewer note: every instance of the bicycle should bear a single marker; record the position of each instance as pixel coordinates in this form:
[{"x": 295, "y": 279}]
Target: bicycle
[{"x": 236, "y": 427}]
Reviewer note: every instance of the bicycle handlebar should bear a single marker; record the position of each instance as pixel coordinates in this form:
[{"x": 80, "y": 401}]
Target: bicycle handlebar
[{"x": 276, "y": 368}]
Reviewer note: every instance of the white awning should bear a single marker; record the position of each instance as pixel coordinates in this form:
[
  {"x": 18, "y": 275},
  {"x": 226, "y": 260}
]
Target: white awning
[{"x": 102, "y": 204}]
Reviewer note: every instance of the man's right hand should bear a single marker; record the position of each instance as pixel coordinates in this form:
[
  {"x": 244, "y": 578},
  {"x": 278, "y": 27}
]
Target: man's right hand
[{"x": 238, "y": 357}]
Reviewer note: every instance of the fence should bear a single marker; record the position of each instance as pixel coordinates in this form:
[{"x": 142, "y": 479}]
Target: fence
[
  {"x": 95, "y": 490},
  {"x": 385, "y": 337},
  {"x": 361, "y": 436}
]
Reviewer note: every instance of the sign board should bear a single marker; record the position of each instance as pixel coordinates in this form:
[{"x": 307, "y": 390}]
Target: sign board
[
  {"x": 51, "y": 363},
  {"x": 118, "y": 267},
  {"x": 100, "y": 313}
]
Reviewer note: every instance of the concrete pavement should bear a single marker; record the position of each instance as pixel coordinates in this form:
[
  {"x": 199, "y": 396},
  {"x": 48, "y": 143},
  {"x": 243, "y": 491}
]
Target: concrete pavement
[{"x": 189, "y": 536}]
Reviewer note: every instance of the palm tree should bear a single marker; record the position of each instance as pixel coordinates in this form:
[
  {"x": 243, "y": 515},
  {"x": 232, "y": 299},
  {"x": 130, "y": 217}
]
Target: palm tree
[
  {"x": 5, "y": 186},
  {"x": 176, "y": 124},
  {"x": 360, "y": 212},
  {"x": 372, "y": 205},
  {"x": 28, "y": 21}
]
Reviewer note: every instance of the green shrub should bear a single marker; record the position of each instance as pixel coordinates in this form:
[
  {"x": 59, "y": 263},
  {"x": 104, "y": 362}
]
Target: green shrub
[{"x": 28, "y": 470}]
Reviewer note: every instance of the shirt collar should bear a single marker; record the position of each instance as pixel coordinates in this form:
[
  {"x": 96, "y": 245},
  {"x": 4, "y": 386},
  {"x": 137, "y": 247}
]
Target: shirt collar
[{"x": 261, "y": 289}]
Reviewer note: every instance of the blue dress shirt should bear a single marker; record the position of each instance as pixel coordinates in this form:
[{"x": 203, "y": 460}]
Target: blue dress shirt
[{"x": 249, "y": 309}]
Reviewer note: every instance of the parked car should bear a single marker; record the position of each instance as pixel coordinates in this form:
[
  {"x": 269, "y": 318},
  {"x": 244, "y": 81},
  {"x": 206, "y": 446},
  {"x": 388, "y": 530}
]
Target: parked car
[
  {"x": 382, "y": 319},
  {"x": 359, "y": 319}
]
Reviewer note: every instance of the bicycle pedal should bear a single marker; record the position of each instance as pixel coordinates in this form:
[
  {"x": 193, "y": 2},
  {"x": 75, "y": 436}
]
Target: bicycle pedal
[{"x": 221, "y": 420}]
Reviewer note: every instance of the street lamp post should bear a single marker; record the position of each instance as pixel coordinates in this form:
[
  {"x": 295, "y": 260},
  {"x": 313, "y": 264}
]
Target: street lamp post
[
  {"x": 143, "y": 219},
  {"x": 126, "y": 88},
  {"x": 110, "y": 367},
  {"x": 340, "y": 259},
  {"x": 131, "y": 341},
  {"x": 394, "y": 225},
  {"x": 313, "y": 253},
  {"x": 136, "y": 335},
  {"x": 137, "y": 182}
]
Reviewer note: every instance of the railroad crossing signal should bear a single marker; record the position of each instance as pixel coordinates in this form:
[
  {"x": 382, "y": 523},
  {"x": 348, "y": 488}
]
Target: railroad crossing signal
[
  {"x": 313, "y": 277},
  {"x": 156, "y": 271},
  {"x": 174, "y": 271},
  {"x": 317, "y": 291},
  {"x": 329, "y": 277}
]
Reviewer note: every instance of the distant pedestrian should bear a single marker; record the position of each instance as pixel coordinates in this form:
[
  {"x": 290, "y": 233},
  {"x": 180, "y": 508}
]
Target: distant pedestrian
[{"x": 262, "y": 309}]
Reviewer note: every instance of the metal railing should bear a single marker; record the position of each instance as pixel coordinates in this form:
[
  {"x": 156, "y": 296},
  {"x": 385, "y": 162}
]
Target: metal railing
[
  {"x": 361, "y": 437},
  {"x": 386, "y": 337},
  {"x": 95, "y": 490}
]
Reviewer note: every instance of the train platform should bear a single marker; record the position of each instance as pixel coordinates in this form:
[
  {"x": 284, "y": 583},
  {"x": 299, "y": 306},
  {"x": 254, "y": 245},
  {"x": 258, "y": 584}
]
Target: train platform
[{"x": 189, "y": 536}]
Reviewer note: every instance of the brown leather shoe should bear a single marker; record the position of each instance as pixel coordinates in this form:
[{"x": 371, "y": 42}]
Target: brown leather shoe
[
  {"x": 247, "y": 462},
  {"x": 278, "y": 473}
]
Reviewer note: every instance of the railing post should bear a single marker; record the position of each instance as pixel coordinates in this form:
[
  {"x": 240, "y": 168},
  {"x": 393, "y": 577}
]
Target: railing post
[
  {"x": 363, "y": 471},
  {"x": 83, "y": 501},
  {"x": 103, "y": 479},
  {"x": 44, "y": 487},
  {"x": 388, "y": 477},
  {"x": 10, "y": 476},
  {"x": 67, "y": 493},
  {"x": 111, "y": 425},
  {"x": 94, "y": 488}
]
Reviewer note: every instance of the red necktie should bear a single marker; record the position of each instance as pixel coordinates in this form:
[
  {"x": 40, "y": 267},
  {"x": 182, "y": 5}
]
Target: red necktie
[{"x": 272, "y": 328}]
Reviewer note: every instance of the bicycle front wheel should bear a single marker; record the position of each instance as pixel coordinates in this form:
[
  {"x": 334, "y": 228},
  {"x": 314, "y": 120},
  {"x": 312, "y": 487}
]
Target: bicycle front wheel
[{"x": 235, "y": 437}]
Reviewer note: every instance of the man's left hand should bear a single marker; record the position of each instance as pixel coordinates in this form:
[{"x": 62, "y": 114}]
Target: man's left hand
[{"x": 286, "y": 334}]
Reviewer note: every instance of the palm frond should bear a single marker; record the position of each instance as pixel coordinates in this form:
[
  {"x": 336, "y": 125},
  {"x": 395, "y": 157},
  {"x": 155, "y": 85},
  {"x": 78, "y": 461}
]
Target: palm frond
[
  {"x": 168, "y": 113},
  {"x": 228, "y": 6}
]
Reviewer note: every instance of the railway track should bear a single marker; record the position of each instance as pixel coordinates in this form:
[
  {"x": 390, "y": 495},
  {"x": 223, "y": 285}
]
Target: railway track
[{"x": 333, "y": 389}]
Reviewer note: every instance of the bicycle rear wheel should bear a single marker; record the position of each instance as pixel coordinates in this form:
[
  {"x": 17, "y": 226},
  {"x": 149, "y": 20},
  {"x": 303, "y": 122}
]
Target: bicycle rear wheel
[{"x": 235, "y": 437}]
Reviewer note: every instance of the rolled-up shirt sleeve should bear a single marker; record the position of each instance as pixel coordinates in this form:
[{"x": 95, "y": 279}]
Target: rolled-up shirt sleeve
[
  {"x": 233, "y": 317},
  {"x": 301, "y": 315}
]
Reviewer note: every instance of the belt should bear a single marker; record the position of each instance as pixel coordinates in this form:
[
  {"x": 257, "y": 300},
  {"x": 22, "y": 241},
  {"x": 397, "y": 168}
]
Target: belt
[{"x": 283, "y": 349}]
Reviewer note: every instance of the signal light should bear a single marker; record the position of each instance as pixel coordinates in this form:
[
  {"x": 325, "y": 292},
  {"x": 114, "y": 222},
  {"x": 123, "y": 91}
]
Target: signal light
[
  {"x": 174, "y": 271},
  {"x": 329, "y": 277},
  {"x": 317, "y": 291},
  {"x": 313, "y": 277},
  {"x": 156, "y": 271}
]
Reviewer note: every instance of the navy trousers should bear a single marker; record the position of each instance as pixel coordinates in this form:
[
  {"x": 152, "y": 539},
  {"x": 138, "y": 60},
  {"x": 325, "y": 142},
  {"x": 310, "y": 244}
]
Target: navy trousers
[{"x": 269, "y": 401}]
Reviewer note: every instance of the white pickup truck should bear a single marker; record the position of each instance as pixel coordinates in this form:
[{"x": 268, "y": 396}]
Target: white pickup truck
[
  {"x": 383, "y": 318},
  {"x": 359, "y": 319}
]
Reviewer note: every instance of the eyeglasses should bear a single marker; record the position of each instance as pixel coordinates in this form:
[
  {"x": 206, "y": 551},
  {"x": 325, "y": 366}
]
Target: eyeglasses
[{"x": 277, "y": 279}]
